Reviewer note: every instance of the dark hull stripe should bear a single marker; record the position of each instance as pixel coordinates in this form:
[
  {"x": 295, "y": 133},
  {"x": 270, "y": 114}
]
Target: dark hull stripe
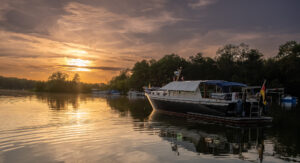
[
  {"x": 205, "y": 112},
  {"x": 183, "y": 107}
]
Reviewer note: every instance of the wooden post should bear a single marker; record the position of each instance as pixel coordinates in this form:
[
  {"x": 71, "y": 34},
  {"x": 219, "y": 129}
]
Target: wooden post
[{"x": 204, "y": 90}]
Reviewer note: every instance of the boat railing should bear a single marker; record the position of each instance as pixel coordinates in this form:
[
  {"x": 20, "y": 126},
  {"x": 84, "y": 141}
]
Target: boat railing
[
  {"x": 226, "y": 96},
  {"x": 254, "y": 108},
  {"x": 233, "y": 96}
]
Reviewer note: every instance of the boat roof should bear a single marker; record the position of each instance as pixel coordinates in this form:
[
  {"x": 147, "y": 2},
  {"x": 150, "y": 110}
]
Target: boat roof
[
  {"x": 193, "y": 85},
  {"x": 182, "y": 85}
]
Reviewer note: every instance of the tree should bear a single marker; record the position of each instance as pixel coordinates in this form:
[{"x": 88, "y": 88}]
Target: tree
[
  {"x": 75, "y": 84},
  {"x": 288, "y": 60},
  {"x": 162, "y": 71},
  {"x": 251, "y": 68},
  {"x": 290, "y": 48},
  {"x": 57, "y": 82},
  {"x": 76, "y": 78},
  {"x": 58, "y": 76},
  {"x": 200, "y": 68},
  {"x": 197, "y": 59},
  {"x": 233, "y": 52},
  {"x": 140, "y": 75},
  {"x": 239, "y": 63},
  {"x": 120, "y": 82},
  {"x": 226, "y": 58}
]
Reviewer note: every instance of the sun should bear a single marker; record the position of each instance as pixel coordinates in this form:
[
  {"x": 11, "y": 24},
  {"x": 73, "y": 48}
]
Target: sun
[{"x": 77, "y": 62}]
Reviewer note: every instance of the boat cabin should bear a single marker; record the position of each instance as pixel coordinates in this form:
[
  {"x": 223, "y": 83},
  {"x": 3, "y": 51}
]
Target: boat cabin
[{"x": 210, "y": 89}]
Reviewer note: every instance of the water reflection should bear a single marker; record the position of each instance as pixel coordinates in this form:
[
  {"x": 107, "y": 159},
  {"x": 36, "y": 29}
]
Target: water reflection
[
  {"x": 218, "y": 141},
  {"x": 209, "y": 139},
  {"x": 286, "y": 133},
  {"x": 137, "y": 108},
  {"x": 59, "y": 101},
  {"x": 288, "y": 105},
  {"x": 197, "y": 137},
  {"x": 41, "y": 126}
]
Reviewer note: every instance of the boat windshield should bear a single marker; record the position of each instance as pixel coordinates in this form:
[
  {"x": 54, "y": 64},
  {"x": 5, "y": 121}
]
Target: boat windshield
[
  {"x": 222, "y": 83},
  {"x": 208, "y": 88}
]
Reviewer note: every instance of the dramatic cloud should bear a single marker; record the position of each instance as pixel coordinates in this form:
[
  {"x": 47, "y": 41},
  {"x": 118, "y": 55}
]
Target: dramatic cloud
[
  {"x": 99, "y": 38},
  {"x": 201, "y": 3}
]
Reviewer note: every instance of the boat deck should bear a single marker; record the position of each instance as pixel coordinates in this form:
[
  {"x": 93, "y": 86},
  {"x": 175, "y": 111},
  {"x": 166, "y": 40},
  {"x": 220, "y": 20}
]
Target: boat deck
[{"x": 240, "y": 121}]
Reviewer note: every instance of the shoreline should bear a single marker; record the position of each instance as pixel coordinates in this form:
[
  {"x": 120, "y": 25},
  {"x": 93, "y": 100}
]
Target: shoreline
[{"x": 16, "y": 92}]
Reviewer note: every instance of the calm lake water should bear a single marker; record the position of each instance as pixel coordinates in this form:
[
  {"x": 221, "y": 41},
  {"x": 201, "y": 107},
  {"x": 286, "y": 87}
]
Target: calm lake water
[{"x": 83, "y": 128}]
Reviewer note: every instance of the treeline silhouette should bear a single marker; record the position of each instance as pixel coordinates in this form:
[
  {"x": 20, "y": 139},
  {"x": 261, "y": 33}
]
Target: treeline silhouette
[
  {"x": 57, "y": 82},
  {"x": 237, "y": 63},
  {"x": 16, "y": 83}
]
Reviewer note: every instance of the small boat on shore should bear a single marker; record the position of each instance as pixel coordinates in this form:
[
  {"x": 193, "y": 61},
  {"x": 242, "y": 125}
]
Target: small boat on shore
[
  {"x": 213, "y": 99},
  {"x": 289, "y": 99},
  {"x": 105, "y": 92},
  {"x": 114, "y": 92},
  {"x": 99, "y": 92}
]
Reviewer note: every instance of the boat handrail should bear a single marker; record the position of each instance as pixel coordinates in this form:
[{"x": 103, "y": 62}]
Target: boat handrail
[{"x": 231, "y": 96}]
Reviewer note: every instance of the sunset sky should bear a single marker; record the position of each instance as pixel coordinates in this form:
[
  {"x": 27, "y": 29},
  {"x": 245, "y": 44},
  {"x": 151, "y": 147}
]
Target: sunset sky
[{"x": 98, "y": 38}]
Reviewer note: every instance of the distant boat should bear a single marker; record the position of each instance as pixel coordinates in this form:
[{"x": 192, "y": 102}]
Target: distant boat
[
  {"x": 208, "y": 98},
  {"x": 149, "y": 89},
  {"x": 99, "y": 92},
  {"x": 135, "y": 93},
  {"x": 114, "y": 92}
]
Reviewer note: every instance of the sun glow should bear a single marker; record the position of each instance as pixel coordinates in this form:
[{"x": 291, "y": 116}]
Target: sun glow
[
  {"x": 81, "y": 69},
  {"x": 77, "y": 52},
  {"x": 78, "y": 64}
]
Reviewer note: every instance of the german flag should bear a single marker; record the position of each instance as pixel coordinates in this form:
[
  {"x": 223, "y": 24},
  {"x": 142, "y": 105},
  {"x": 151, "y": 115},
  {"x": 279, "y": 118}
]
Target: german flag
[{"x": 263, "y": 93}]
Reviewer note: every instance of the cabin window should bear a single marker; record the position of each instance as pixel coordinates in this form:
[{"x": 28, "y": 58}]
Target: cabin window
[
  {"x": 218, "y": 89},
  {"x": 236, "y": 89},
  {"x": 226, "y": 89},
  {"x": 206, "y": 90},
  {"x": 202, "y": 90},
  {"x": 211, "y": 89}
]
